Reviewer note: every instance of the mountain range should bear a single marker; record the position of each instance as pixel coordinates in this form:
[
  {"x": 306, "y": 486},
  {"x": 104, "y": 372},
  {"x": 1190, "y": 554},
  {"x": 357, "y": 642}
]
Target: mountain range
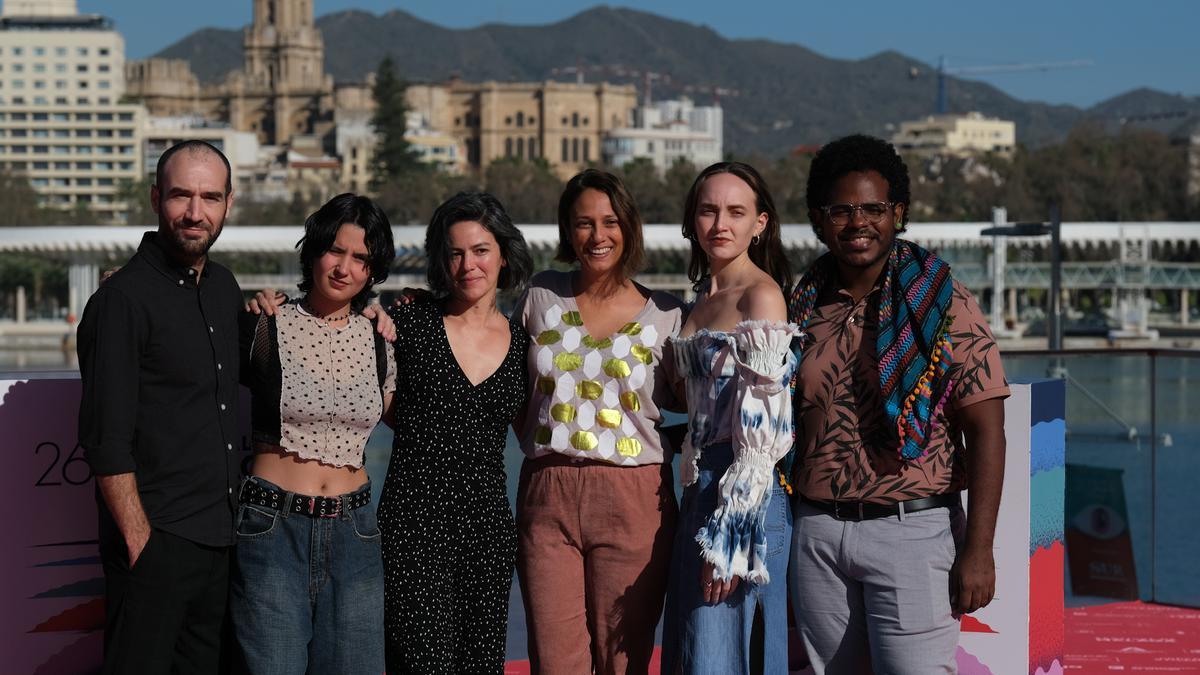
[{"x": 775, "y": 95}]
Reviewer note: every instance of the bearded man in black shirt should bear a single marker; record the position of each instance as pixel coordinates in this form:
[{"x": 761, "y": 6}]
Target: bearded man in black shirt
[{"x": 158, "y": 422}]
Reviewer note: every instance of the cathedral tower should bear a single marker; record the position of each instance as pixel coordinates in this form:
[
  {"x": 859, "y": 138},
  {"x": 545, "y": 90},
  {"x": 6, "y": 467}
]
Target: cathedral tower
[
  {"x": 284, "y": 90},
  {"x": 283, "y": 48}
]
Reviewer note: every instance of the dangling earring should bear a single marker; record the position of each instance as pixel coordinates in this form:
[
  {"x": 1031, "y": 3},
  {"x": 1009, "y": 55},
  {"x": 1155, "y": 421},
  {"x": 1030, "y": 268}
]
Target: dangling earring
[
  {"x": 900, "y": 225},
  {"x": 755, "y": 238}
]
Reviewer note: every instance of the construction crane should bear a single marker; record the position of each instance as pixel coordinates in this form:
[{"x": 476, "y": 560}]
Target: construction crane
[
  {"x": 943, "y": 71},
  {"x": 648, "y": 78}
]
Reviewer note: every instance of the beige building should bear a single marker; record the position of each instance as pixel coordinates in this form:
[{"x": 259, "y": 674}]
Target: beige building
[
  {"x": 44, "y": 8},
  {"x": 60, "y": 120},
  {"x": 167, "y": 87},
  {"x": 956, "y": 135},
  {"x": 281, "y": 92},
  {"x": 313, "y": 179},
  {"x": 562, "y": 123},
  {"x": 64, "y": 58},
  {"x": 355, "y": 143}
]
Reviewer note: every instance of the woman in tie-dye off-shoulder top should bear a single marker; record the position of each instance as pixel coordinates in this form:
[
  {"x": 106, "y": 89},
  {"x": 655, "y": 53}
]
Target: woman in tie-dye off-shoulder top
[{"x": 731, "y": 548}]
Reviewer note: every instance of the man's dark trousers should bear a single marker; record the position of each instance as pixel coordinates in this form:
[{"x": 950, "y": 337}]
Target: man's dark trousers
[{"x": 165, "y": 615}]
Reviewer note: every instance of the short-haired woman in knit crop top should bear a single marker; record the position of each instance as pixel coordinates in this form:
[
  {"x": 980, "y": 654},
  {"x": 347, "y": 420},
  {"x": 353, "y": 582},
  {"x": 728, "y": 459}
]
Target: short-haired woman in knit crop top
[
  {"x": 595, "y": 506},
  {"x": 731, "y": 549},
  {"x": 307, "y": 584}
]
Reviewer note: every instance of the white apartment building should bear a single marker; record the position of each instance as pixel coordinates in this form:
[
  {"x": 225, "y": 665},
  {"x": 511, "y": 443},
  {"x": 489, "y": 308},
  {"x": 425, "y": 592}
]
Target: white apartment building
[
  {"x": 666, "y": 132},
  {"x": 956, "y": 135},
  {"x": 61, "y": 123}
]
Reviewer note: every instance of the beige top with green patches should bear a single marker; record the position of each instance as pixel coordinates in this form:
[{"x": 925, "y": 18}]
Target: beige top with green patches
[{"x": 595, "y": 396}]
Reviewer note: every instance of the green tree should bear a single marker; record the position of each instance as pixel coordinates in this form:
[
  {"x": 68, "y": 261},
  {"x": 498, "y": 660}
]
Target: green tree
[
  {"x": 529, "y": 190},
  {"x": 19, "y": 203},
  {"x": 45, "y": 281},
  {"x": 677, "y": 181},
  {"x": 787, "y": 179},
  {"x": 273, "y": 212},
  {"x": 393, "y": 154},
  {"x": 649, "y": 192},
  {"x": 136, "y": 195},
  {"x": 412, "y": 197}
]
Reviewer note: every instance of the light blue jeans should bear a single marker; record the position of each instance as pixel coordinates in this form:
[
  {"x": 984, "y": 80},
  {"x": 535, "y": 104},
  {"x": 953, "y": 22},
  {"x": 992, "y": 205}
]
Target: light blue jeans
[
  {"x": 306, "y": 594},
  {"x": 703, "y": 638}
]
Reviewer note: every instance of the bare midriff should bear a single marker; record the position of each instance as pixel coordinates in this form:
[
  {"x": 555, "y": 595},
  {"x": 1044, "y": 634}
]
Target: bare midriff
[{"x": 305, "y": 476}]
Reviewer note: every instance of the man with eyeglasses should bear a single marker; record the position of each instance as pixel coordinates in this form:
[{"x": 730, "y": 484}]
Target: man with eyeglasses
[{"x": 899, "y": 407}]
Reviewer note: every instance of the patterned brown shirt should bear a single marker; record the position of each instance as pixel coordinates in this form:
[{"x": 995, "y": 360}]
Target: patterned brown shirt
[{"x": 846, "y": 448}]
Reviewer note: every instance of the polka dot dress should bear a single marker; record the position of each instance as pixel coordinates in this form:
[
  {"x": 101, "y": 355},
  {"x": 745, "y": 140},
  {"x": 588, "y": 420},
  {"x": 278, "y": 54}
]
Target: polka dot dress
[{"x": 449, "y": 540}]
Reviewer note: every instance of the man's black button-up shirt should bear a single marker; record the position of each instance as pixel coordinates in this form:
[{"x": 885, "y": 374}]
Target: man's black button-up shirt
[{"x": 158, "y": 355}]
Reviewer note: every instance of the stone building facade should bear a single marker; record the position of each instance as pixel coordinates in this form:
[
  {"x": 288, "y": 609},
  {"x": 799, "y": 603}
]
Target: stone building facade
[
  {"x": 281, "y": 92},
  {"x": 284, "y": 97},
  {"x": 560, "y": 122}
]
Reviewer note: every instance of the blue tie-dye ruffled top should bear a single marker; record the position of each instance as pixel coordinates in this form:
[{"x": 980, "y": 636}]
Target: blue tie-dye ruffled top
[{"x": 738, "y": 392}]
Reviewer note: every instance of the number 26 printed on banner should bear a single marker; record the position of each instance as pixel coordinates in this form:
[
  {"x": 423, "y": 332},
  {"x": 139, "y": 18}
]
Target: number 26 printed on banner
[{"x": 74, "y": 470}]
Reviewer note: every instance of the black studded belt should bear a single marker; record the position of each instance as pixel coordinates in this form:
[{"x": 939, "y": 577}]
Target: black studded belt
[
  {"x": 258, "y": 494},
  {"x": 846, "y": 510}
]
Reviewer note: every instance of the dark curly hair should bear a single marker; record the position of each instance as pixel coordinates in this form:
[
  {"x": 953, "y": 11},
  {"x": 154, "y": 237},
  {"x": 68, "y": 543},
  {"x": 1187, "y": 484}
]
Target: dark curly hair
[
  {"x": 850, "y": 154},
  {"x": 485, "y": 209},
  {"x": 320, "y": 231},
  {"x": 767, "y": 252}
]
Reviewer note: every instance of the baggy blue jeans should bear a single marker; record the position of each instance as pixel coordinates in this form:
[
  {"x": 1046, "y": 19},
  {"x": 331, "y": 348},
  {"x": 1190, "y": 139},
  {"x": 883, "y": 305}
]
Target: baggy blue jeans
[
  {"x": 306, "y": 594},
  {"x": 703, "y": 638}
]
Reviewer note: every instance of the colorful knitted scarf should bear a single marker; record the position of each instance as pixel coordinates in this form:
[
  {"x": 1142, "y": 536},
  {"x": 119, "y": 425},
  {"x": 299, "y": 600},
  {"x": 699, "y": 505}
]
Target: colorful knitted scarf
[{"x": 913, "y": 344}]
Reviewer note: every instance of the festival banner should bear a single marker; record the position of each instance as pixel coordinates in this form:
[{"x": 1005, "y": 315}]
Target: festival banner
[
  {"x": 51, "y": 580},
  {"x": 52, "y": 588},
  {"x": 1099, "y": 545},
  {"x": 1021, "y": 631}
]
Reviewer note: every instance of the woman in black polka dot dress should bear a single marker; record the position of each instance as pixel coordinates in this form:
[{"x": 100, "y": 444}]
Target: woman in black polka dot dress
[{"x": 449, "y": 541}]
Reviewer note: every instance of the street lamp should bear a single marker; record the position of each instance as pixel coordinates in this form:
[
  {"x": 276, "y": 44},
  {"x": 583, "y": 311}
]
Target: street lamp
[{"x": 1054, "y": 318}]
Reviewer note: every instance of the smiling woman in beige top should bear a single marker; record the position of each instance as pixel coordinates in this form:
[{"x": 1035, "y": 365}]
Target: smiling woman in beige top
[{"x": 595, "y": 506}]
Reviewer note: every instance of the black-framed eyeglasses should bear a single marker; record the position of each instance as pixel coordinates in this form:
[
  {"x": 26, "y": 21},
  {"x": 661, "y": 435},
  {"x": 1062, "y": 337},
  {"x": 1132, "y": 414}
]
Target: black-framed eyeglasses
[{"x": 842, "y": 214}]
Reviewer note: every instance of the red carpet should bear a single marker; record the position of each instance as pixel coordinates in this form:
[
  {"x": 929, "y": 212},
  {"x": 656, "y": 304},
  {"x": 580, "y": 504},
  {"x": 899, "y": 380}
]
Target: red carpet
[
  {"x": 1119, "y": 637},
  {"x": 522, "y": 667},
  {"x": 1132, "y": 637}
]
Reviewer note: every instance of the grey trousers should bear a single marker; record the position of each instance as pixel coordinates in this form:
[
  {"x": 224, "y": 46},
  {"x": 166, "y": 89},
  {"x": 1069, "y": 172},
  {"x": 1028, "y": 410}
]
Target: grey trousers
[{"x": 874, "y": 596}]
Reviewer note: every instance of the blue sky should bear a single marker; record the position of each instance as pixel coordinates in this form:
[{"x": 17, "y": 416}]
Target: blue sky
[{"x": 1151, "y": 43}]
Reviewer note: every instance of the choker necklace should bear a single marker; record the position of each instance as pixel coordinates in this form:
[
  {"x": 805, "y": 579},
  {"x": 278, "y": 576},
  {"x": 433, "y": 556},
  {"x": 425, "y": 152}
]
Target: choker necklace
[{"x": 327, "y": 319}]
